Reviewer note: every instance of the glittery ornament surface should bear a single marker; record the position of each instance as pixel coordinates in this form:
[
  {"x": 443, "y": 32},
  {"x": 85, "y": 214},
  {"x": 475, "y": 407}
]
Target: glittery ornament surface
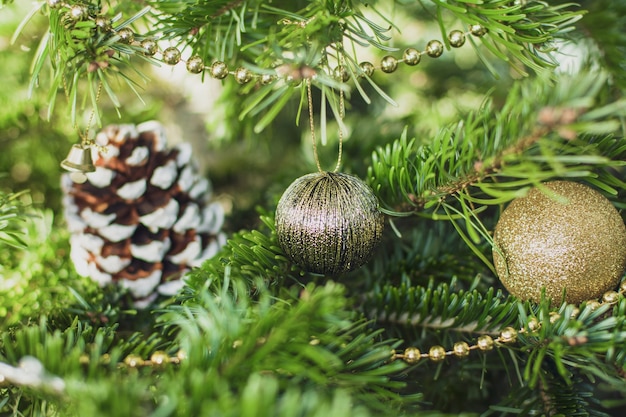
[
  {"x": 567, "y": 236},
  {"x": 328, "y": 222}
]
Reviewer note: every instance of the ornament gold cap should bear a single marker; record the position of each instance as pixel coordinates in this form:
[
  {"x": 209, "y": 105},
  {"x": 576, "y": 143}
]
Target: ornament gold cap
[{"x": 78, "y": 160}]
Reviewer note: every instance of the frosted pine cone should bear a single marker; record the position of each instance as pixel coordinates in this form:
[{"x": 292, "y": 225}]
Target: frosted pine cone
[{"x": 143, "y": 218}]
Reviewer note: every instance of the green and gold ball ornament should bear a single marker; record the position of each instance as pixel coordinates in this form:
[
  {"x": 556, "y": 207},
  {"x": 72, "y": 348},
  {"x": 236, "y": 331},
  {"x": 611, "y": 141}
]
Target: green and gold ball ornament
[
  {"x": 563, "y": 235},
  {"x": 328, "y": 222}
]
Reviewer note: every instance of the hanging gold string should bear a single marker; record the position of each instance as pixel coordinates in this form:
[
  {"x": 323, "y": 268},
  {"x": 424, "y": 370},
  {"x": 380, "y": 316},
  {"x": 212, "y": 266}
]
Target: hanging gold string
[
  {"x": 342, "y": 113},
  {"x": 312, "y": 124}
]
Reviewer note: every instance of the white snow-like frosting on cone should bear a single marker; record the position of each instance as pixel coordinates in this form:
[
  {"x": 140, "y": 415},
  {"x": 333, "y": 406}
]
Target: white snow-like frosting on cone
[
  {"x": 102, "y": 278},
  {"x": 189, "y": 219},
  {"x": 97, "y": 220},
  {"x": 79, "y": 256},
  {"x": 164, "y": 176},
  {"x": 200, "y": 187},
  {"x": 124, "y": 133},
  {"x": 157, "y": 128},
  {"x": 161, "y": 218},
  {"x": 184, "y": 154},
  {"x": 88, "y": 241},
  {"x": 75, "y": 223},
  {"x": 170, "y": 288},
  {"x": 188, "y": 254},
  {"x": 101, "y": 177},
  {"x": 117, "y": 232},
  {"x": 113, "y": 264},
  {"x": 132, "y": 190},
  {"x": 186, "y": 179},
  {"x": 210, "y": 251},
  {"x": 143, "y": 287},
  {"x": 139, "y": 156},
  {"x": 212, "y": 219},
  {"x": 151, "y": 252}
]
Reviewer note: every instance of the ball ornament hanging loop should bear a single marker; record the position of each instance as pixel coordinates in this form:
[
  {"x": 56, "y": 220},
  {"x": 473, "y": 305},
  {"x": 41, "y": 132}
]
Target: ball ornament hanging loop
[{"x": 328, "y": 222}]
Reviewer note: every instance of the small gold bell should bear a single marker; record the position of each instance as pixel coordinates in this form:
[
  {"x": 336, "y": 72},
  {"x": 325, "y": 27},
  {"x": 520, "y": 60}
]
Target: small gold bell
[{"x": 78, "y": 160}]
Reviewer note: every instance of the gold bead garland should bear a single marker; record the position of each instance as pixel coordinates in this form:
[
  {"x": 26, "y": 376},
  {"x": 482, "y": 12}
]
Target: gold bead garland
[
  {"x": 484, "y": 343},
  {"x": 411, "y": 355},
  {"x": 219, "y": 70}
]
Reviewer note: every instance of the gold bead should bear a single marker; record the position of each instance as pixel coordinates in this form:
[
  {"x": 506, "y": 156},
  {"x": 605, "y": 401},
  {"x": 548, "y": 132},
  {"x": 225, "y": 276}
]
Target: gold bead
[
  {"x": 242, "y": 75},
  {"x": 610, "y": 297},
  {"x": 389, "y": 64},
  {"x": 267, "y": 79},
  {"x": 181, "y": 355},
  {"x": 575, "y": 312},
  {"x": 150, "y": 46},
  {"x": 171, "y": 55},
  {"x": 78, "y": 12},
  {"x": 456, "y": 38},
  {"x": 622, "y": 286},
  {"x": 103, "y": 23},
  {"x": 533, "y": 324},
  {"x": 461, "y": 349},
  {"x": 219, "y": 70},
  {"x": 84, "y": 359},
  {"x": 367, "y": 68},
  {"x": 340, "y": 73},
  {"x": 485, "y": 343},
  {"x": 133, "y": 361},
  {"x": 508, "y": 335},
  {"x": 126, "y": 35},
  {"x": 434, "y": 49},
  {"x": 478, "y": 30},
  {"x": 554, "y": 317},
  {"x": 160, "y": 358},
  {"x": 412, "y": 355},
  {"x": 437, "y": 353},
  {"x": 105, "y": 359},
  {"x": 411, "y": 56},
  {"x": 593, "y": 304},
  {"x": 195, "y": 64}
]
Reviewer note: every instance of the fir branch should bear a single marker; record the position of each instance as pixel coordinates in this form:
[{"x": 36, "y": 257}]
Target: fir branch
[
  {"x": 517, "y": 30},
  {"x": 247, "y": 256},
  {"x": 271, "y": 39},
  {"x": 487, "y": 147},
  {"x": 11, "y": 215},
  {"x": 80, "y": 51},
  {"x": 307, "y": 338},
  {"x": 606, "y": 25},
  {"x": 440, "y": 306}
]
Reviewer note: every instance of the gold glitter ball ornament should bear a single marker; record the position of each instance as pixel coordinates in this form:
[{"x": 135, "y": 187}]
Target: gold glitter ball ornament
[
  {"x": 328, "y": 222},
  {"x": 567, "y": 236}
]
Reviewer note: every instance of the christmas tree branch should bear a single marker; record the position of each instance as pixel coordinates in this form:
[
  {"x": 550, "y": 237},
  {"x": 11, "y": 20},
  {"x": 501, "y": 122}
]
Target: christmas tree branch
[
  {"x": 85, "y": 44},
  {"x": 482, "y": 150},
  {"x": 11, "y": 215},
  {"x": 517, "y": 29}
]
